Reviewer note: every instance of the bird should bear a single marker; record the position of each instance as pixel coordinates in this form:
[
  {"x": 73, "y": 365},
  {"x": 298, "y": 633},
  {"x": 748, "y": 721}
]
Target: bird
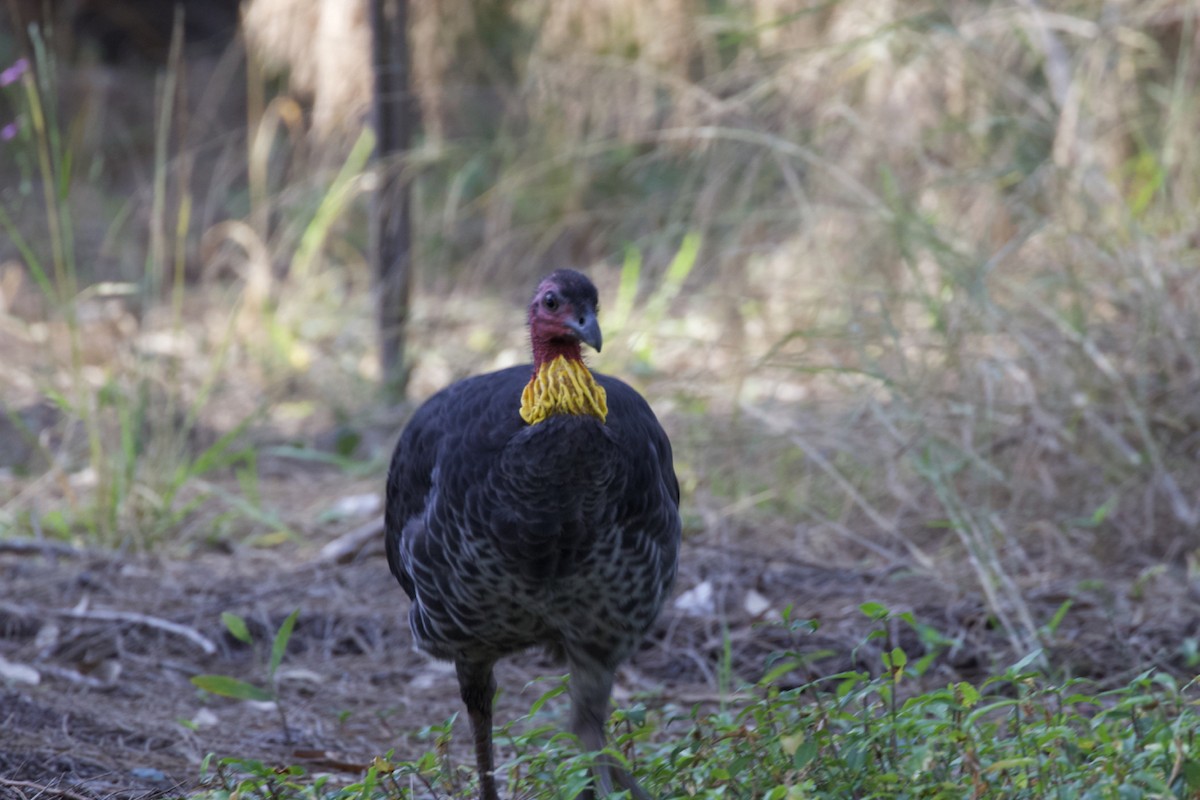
[{"x": 537, "y": 506}]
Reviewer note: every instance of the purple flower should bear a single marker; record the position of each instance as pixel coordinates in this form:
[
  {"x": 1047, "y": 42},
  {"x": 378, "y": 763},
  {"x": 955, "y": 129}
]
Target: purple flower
[
  {"x": 9, "y": 131},
  {"x": 13, "y": 73}
]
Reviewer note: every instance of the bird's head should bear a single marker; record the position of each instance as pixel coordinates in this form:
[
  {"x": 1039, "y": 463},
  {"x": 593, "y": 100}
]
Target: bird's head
[{"x": 562, "y": 314}]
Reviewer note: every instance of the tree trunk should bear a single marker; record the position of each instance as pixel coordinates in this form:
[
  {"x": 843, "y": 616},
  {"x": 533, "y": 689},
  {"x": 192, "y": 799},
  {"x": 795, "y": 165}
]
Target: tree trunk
[{"x": 394, "y": 115}]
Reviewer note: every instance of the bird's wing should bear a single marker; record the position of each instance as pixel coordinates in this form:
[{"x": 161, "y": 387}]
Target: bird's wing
[
  {"x": 648, "y": 503},
  {"x": 649, "y": 457},
  {"x": 460, "y": 427}
]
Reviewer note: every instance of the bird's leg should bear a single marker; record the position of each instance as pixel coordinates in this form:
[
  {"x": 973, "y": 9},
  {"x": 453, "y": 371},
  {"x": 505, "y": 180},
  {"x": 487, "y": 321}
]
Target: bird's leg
[
  {"x": 591, "y": 689},
  {"x": 477, "y": 686}
]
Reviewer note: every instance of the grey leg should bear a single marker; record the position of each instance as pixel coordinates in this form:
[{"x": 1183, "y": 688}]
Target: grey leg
[
  {"x": 591, "y": 690},
  {"x": 477, "y": 686}
]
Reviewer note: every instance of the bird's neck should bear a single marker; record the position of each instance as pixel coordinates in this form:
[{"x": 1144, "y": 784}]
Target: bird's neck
[
  {"x": 562, "y": 384},
  {"x": 547, "y": 347}
]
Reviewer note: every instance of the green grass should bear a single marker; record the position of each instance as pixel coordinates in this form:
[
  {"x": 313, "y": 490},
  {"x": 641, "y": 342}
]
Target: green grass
[{"x": 138, "y": 460}]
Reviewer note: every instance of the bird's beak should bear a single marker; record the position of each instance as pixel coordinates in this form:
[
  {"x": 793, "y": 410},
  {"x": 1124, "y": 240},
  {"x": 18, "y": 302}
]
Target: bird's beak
[{"x": 586, "y": 328}]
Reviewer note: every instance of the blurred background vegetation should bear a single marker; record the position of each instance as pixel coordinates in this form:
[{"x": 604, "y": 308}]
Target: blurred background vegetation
[{"x": 913, "y": 285}]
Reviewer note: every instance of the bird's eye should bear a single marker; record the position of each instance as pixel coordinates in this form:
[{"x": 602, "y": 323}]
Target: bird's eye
[{"x": 550, "y": 301}]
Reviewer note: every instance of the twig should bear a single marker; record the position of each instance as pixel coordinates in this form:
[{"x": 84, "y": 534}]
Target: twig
[
  {"x": 134, "y": 618},
  {"x": 39, "y": 546},
  {"x": 40, "y": 788},
  {"x": 1057, "y": 65},
  {"x": 74, "y": 676},
  {"x": 815, "y": 456},
  {"x": 347, "y": 545}
]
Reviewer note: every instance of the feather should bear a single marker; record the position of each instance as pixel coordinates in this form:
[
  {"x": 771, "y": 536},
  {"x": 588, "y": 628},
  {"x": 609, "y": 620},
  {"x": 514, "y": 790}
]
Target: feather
[{"x": 563, "y": 534}]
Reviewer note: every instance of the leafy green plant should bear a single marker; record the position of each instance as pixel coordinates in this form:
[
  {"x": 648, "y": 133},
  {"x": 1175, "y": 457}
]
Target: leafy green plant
[
  {"x": 237, "y": 689},
  {"x": 1016, "y": 735},
  {"x": 859, "y": 733}
]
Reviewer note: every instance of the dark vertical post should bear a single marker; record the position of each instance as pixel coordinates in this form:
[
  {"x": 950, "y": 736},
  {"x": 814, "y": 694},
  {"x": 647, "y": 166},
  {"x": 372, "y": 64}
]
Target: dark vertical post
[{"x": 394, "y": 115}]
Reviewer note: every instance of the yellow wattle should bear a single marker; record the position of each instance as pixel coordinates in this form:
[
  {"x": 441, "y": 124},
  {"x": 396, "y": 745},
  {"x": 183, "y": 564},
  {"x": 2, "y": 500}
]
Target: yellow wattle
[{"x": 563, "y": 386}]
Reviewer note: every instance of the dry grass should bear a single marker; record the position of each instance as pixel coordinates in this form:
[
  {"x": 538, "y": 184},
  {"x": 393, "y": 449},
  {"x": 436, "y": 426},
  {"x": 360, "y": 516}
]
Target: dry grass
[{"x": 942, "y": 316}]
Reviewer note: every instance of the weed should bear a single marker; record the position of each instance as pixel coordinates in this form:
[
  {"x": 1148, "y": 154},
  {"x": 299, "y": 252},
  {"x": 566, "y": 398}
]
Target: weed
[
  {"x": 227, "y": 686},
  {"x": 1020, "y": 734}
]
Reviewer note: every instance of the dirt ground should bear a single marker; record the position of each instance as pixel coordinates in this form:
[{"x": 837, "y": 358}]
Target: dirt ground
[
  {"x": 97, "y": 647},
  {"x": 113, "y": 640},
  {"x": 114, "y": 715}
]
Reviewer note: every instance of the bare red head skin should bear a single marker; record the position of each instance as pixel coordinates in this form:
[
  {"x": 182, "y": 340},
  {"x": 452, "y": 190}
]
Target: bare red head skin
[{"x": 562, "y": 315}]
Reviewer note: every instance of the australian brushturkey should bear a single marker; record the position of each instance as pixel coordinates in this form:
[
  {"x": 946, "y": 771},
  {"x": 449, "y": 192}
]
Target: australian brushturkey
[{"x": 536, "y": 506}]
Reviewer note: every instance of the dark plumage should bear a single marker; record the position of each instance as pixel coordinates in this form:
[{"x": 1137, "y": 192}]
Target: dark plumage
[{"x": 563, "y": 533}]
